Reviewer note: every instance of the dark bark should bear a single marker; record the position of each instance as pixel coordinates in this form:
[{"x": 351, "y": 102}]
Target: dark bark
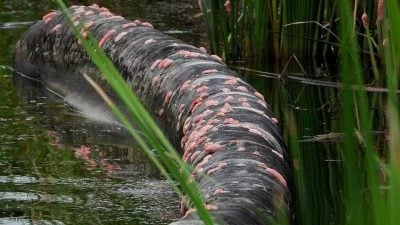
[{"x": 219, "y": 123}]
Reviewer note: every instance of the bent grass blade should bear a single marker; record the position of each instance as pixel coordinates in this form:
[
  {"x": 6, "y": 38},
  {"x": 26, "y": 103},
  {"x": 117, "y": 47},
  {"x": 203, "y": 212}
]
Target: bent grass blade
[{"x": 172, "y": 162}]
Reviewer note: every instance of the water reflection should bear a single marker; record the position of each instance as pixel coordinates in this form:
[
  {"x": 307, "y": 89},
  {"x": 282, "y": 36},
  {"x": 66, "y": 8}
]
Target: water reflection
[
  {"x": 32, "y": 197},
  {"x": 74, "y": 162},
  {"x": 18, "y": 180},
  {"x": 22, "y": 221},
  {"x": 57, "y": 167},
  {"x": 14, "y": 25}
]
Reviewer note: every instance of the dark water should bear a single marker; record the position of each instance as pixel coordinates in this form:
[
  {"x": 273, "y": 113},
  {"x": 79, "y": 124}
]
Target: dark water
[{"x": 56, "y": 167}]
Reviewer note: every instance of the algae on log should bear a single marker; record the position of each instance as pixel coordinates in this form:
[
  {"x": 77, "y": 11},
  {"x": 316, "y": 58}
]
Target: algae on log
[{"x": 220, "y": 124}]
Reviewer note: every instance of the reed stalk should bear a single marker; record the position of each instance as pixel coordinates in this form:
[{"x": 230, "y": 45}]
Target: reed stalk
[{"x": 319, "y": 31}]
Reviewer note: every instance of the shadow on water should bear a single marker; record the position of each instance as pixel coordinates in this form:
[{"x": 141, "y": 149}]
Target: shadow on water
[{"x": 58, "y": 167}]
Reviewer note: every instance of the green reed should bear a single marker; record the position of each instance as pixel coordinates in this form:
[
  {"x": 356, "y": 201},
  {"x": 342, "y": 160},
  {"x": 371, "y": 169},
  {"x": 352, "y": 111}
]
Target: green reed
[
  {"x": 255, "y": 32},
  {"x": 168, "y": 161},
  {"x": 392, "y": 56},
  {"x": 367, "y": 42},
  {"x": 357, "y": 160},
  {"x": 380, "y": 199}
]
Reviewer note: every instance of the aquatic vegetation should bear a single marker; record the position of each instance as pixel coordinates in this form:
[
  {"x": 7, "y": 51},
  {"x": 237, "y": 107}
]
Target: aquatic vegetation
[{"x": 361, "y": 37}]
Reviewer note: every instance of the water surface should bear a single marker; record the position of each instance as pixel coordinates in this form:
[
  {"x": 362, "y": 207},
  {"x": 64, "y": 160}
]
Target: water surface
[{"x": 57, "y": 167}]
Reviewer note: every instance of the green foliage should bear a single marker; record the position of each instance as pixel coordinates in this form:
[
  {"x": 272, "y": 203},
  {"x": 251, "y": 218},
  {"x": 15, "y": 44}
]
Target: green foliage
[
  {"x": 353, "y": 101},
  {"x": 392, "y": 56},
  {"x": 264, "y": 35}
]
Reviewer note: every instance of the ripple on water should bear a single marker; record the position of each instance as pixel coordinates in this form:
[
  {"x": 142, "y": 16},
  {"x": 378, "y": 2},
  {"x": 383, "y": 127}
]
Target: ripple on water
[
  {"x": 24, "y": 221},
  {"x": 35, "y": 197},
  {"x": 18, "y": 180}
]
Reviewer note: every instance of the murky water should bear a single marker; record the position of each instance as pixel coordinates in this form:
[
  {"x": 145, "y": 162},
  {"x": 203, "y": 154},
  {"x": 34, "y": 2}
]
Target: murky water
[{"x": 56, "y": 167}]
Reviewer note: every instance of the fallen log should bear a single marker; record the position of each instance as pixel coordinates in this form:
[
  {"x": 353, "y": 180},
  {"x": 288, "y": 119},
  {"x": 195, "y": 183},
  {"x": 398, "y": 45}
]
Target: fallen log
[{"x": 219, "y": 123}]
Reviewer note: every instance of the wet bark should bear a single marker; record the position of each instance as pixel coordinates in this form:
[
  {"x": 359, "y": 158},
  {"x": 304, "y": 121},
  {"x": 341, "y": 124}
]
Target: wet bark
[{"x": 219, "y": 123}]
